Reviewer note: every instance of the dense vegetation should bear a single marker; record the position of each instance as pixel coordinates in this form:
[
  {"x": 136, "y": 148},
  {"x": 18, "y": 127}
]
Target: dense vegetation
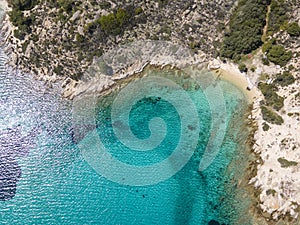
[
  {"x": 272, "y": 99},
  {"x": 278, "y": 16},
  {"x": 245, "y": 28},
  {"x": 284, "y": 79},
  {"x": 22, "y": 4},
  {"x": 116, "y": 22},
  {"x": 278, "y": 55},
  {"x": 111, "y": 24},
  {"x": 268, "y": 45},
  {"x": 23, "y": 23},
  {"x": 18, "y": 19}
]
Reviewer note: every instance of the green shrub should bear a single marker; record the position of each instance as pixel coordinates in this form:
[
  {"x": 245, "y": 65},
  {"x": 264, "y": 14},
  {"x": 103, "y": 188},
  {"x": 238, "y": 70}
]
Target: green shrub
[
  {"x": 21, "y": 22},
  {"x": 243, "y": 67},
  {"x": 138, "y": 11},
  {"x": 66, "y": 5},
  {"x": 109, "y": 24},
  {"x": 16, "y": 17},
  {"x": 34, "y": 38},
  {"x": 105, "y": 5},
  {"x": 271, "y": 192},
  {"x": 90, "y": 28},
  {"x": 22, "y": 4},
  {"x": 293, "y": 29},
  {"x": 25, "y": 45},
  {"x": 268, "y": 45},
  {"x": 122, "y": 17},
  {"x": 114, "y": 23},
  {"x": 291, "y": 67},
  {"x": 265, "y": 61},
  {"x": 19, "y": 34},
  {"x": 279, "y": 55},
  {"x": 79, "y": 38},
  {"x": 271, "y": 116},
  {"x": 253, "y": 68},
  {"x": 284, "y": 79},
  {"x": 265, "y": 127},
  {"x": 58, "y": 70},
  {"x": 278, "y": 15},
  {"x": 285, "y": 163},
  {"x": 98, "y": 52},
  {"x": 271, "y": 97}
]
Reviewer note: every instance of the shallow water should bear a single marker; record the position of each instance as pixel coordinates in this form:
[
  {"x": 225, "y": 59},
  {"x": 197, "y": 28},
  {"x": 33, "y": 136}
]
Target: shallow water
[{"x": 45, "y": 178}]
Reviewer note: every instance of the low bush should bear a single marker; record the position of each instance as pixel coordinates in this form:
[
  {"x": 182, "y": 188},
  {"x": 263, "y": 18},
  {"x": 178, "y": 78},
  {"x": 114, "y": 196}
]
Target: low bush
[
  {"x": 268, "y": 45},
  {"x": 111, "y": 24},
  {"x": 284, "y": 79},
  {"x": 243, "y": 67},
  {"x": 293, "y": 29},
  {"x": 105, "y": 5},
  {"x": 66, "y": 5},
  {"x": 265, "y": 127},
  {"x": 271, "y": 192},
  {"x": 271, "y": 97},
  {"x": 285, "y": 163},
  {"x": 278, "y": 55},
  {"x": 23, "y": 23},
  {"x": 265, "y": 61},
  {"x": 138, "y": 11},
  {"x": 22, "y": 4},
  {"x": 271, "y": 116}
]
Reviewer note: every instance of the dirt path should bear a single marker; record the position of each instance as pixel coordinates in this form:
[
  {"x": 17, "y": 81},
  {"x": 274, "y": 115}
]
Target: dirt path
[{"x": 264, "y": 36}]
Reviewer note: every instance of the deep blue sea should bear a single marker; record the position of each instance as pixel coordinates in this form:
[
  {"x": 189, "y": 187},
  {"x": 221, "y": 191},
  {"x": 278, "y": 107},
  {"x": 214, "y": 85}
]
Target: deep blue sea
[{"x": 46, "y": 177}]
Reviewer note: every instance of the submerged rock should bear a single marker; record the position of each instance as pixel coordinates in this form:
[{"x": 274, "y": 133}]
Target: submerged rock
[
  {"x": 12, "y": 146},
  {"x": 213, "y": 222},
  {"x": 10, "y": 173}
]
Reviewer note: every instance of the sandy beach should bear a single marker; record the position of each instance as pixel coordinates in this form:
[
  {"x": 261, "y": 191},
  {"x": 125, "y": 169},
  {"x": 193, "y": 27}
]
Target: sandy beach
[{"x": 231, "y": 73}]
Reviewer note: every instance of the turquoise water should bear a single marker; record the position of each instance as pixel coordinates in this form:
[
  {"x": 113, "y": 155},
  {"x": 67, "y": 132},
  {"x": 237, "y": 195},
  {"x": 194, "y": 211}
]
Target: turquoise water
[{"x": 56, "y": 185}]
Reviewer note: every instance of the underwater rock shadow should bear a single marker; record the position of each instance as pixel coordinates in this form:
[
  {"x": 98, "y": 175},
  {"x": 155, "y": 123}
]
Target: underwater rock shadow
[{"x": 13, "y": 145}]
